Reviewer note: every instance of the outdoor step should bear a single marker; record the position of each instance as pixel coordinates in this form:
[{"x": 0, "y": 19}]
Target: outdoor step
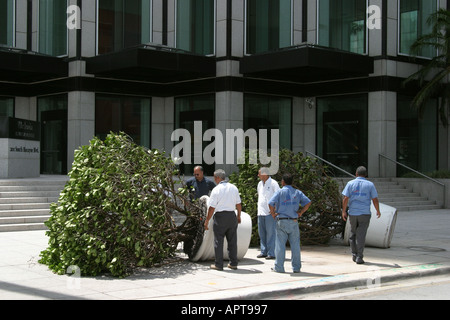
[
  {"x": 405, "y": 198},
  {"x": 400, "y": 203},
  {"x": 24, "y": 206},
  {"x": 416, "y": 208},
  {"x": 28, "y": 200},
  {"x": 24, "y": 219},
  {"x": 29, "y": 194},
  {"x": 22, "y": 227},
  {"x": 17, "y": 188},
  {"x": 22, "y": 213}
]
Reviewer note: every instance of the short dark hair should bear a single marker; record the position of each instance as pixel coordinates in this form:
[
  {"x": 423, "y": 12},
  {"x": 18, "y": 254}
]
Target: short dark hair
[
  {"x": 361, "y": 171},
  {"x": 287, "y": 178}
]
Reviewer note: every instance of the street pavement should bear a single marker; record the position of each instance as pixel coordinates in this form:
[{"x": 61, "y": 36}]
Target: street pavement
[{"x": 420, "y": 247}]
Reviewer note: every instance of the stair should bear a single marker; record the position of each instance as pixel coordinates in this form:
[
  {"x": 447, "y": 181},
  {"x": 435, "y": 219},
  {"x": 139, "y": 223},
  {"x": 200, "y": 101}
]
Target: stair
[
  {"x": 397, "y": 195},
  {"x": 25, "y": 203}
]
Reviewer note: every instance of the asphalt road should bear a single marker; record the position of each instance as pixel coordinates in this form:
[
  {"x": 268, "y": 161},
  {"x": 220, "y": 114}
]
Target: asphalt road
[{"x": 427, "y": 288}]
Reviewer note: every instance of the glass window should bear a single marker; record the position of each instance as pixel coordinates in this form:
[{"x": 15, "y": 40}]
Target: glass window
[
  {"x": 7, "y": 22},
  {"x": 123, "y": 24},
  {"x": 6, "y": 107},
  {"x": 268, "y": 25},
  {"x": 413, "y": 24},
  {"x": 187, "y": 111},
  {"x": 128, "y": 114},
  {"x": 52, "y": 27},
  {"x": 342, "y": 25},
  {"x": 416, "y": 136},
  {"x": 342, "y": 131},
  {"x": 195, "y": 26},
  {"x": 267, "y": 112}
]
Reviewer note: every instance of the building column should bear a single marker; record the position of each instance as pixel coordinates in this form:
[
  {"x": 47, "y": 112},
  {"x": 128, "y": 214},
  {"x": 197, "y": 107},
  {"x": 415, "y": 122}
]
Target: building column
[
  {"x": 382, "y": 133},
  {"x": 162, "y": 123},
  {"x": 304, "y": 125},
  {"x": 80, "y": 122}
]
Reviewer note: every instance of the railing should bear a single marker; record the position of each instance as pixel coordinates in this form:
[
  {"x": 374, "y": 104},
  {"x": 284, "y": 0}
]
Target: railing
[
  {"x": 330, "y": 164},
  {"x": 416, "y": 172}
]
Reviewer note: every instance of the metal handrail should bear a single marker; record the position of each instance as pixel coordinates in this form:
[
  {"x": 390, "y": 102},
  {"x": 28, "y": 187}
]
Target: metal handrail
[
  {"x": 330, "y": 164},
  {"x": 417, "y": 172}
]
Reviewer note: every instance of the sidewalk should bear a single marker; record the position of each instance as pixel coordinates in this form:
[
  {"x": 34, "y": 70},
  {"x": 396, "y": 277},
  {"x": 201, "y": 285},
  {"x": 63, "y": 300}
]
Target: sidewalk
[{"x": 420, "y": 247}]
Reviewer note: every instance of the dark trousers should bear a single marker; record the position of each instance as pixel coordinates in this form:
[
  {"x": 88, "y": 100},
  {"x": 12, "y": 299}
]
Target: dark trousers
[
  {"x": 358, "y": 232},
  {"x": 225, "y": 225}
]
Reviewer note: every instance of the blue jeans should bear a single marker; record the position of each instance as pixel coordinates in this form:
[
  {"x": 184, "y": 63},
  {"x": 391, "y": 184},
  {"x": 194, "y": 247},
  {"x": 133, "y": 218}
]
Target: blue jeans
[
  {"x": 266, "y": 230},
  {"x": 287, "y": 230}
]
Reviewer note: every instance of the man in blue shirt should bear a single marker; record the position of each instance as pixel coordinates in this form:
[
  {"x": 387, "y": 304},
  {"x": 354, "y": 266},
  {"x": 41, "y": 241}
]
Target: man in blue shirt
[
  {"x": 285, "y": 208},
  {"x": 199, "y": 185},
  {"x": 358, "y": 195}
]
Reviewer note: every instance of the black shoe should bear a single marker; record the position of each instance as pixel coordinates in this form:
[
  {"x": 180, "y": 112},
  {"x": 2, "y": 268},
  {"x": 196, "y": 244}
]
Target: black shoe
[
  {"x": 270, "y": 258},
  {"x": 359, "y": 260},
  {"x": 261, "y": 256},
  {"x": 354, "y": 258}
]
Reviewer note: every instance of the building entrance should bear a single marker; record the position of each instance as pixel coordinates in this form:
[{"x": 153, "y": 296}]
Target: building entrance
[
  {"x": 342, "y": 139},
  {"x": 54, "y": 142},
  {"x": 342, "y": 131}
]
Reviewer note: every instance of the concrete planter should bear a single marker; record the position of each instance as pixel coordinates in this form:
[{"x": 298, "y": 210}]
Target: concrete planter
[
  {"x": 380, "y": 230},
  {"x": 244, "y": 234}
]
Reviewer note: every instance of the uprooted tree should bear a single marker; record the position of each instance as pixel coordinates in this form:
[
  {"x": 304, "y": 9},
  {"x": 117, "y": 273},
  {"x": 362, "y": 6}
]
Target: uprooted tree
[
  {"x": 116, "y": 213},
  {"x": 322, "y": 221}
]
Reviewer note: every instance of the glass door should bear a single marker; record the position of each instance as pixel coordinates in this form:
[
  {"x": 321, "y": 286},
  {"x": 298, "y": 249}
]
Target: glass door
[
  {"x": 54, "y": 142},
  {"x": 342, "y": 140}
]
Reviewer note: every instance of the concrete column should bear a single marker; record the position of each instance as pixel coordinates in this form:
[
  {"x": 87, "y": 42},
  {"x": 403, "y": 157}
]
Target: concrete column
[
  {"x": 80, "y": 122},
  {"x": 304, "y": 124},
  {"x": 229, "y": 115},
  {"x": 162, "y": 123},
  {"x": 382, "y": 133}
]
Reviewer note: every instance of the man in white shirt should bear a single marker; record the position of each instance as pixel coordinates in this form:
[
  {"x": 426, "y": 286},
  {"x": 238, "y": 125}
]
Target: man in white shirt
[
  {"x": 266, "y": 223},
  {"x": 223, "y": 201}
]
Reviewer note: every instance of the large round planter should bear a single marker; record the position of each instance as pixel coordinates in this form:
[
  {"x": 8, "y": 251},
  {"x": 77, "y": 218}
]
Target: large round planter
[
  {"x": 244, "y": 234},
  {"x": 380, "y": 230}
]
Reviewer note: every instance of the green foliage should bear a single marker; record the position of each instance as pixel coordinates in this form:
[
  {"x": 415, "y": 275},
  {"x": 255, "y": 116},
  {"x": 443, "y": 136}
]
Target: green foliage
[
  {"x": 432, "y": 76},
  {"x": 323, "y": 219},
  {"x": 115, "y": 212}
]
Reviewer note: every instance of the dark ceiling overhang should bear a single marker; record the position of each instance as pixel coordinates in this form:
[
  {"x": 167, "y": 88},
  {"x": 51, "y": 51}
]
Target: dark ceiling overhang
[
  {"x": 152, "y": 64},
  {"x": 24, "y": 66},
  {"x": 307, "y": 63}
]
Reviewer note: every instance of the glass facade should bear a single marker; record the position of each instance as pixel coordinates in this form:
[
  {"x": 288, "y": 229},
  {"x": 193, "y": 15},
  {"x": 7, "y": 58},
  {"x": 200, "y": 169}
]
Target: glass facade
[
  {"x": 52, "y": 27},
  {"x": 131, "y": 115},
  {"x": 7, "y": 22},
  {"x": 342, "y": 131},
  {"x": 123, "y": 24},
  {"x": 52, "y": 114},
  {"x": 416, "y": 136},
  {"x": 196, "y": 26},
  {"x": 342, "y": 25},
  {"x": 6, "y": 107},
  {"x": 413, "y": 15},
  {"x": 268, "y": 25},
  {"x": 269, "y": 112},
  {"x": 187, "y": 111}
]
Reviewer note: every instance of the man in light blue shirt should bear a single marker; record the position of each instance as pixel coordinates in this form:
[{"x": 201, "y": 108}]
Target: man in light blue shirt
[
  {"x": 358, "y": 195},
  {"x": 285, "y": 208}
]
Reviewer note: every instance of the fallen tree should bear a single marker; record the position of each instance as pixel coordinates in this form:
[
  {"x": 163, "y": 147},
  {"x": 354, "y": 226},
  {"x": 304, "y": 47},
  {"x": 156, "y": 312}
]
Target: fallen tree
[
  {"x": 323, "y": 219},
  {"x": 116, "y": 213}
]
